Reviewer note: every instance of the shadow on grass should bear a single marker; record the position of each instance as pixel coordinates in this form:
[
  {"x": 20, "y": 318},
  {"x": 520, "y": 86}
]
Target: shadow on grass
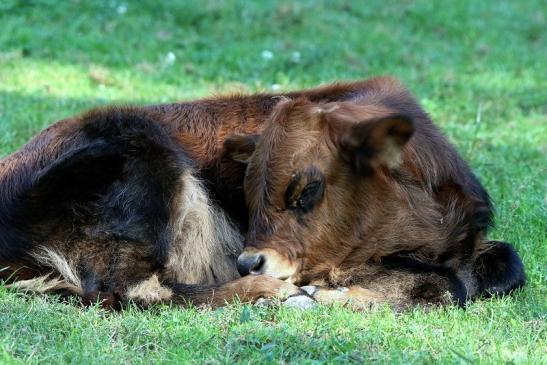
[{"x": 23, "y": 115}]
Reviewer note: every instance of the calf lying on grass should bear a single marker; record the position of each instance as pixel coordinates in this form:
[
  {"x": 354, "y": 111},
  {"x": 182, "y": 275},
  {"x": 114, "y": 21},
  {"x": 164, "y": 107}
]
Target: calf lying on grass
[
  {"x": 367, "y": 194},
  {"x": 136, "y": 204}
]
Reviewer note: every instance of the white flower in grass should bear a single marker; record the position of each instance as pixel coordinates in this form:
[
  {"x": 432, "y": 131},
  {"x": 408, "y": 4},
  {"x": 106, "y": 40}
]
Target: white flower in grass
[
  {"x": 267, "y": 55},
  {"x": 121, "y": 9},
  {"x": 276, "y": 87},
  {"x": 170, "y": 58},
  {"x": 295, "y": 56}
]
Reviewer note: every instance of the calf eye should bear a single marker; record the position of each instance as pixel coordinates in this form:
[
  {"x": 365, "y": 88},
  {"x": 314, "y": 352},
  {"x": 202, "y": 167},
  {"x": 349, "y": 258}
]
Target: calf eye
[{"x": 309, "y": 197}]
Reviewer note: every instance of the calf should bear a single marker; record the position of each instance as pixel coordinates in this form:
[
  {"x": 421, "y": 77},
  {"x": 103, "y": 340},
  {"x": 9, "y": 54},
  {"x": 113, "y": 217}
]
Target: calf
[
  {"x": 366, "y": 193},
  {"x": 136, "y": 204}
]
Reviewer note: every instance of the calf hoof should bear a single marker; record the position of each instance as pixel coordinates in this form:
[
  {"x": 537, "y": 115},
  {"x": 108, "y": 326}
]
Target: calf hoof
[
  {"x": 263, "y": 303},
  {"x": 300, "y": 302}
]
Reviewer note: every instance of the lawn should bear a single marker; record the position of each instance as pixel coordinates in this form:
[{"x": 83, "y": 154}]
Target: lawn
[{"x": 478, "y": 67}]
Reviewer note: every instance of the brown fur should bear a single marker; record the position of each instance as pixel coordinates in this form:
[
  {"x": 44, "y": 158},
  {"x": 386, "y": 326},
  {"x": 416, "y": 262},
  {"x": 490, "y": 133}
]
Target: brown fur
[
  {"x": 137, "y": 203},
  {"x": 400, "y": 213}
]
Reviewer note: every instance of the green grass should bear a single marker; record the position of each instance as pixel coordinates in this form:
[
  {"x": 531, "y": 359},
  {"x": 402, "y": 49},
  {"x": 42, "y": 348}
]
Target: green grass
[{"x": 477, "y": 67}]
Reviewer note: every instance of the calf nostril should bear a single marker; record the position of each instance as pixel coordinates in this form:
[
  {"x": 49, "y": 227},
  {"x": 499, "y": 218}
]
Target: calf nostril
[
  {"x": 258, "y": 266},
  {"x": 250, "y": 264}
]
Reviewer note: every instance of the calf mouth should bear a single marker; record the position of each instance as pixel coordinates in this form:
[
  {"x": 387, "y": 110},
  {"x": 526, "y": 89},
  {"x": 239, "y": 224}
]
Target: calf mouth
[{"x": 266, "y": 261}]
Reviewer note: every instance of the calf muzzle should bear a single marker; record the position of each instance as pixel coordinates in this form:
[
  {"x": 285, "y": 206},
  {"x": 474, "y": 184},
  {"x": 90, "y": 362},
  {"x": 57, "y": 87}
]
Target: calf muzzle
[
  {"x": 250, "y": 263},
  {"x": 266, "y": 261}
]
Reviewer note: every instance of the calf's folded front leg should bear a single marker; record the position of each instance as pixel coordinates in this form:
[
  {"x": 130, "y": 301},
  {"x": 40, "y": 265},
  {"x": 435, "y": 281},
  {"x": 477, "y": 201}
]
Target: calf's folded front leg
[{"x": 246, "y": 289}]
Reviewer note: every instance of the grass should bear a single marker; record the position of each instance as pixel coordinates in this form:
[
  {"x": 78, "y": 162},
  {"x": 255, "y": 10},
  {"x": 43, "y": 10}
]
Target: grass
[{"x": 477, "y": 67}]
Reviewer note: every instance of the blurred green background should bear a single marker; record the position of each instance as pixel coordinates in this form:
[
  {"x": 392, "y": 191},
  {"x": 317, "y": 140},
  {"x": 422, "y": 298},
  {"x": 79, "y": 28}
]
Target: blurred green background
[{"x": 478, "y": 67}]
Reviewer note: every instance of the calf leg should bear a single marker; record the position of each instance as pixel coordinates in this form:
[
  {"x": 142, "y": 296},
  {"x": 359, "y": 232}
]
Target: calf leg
[
  {"x": 399, "y": 282},
  {"x": 354, "y": 297},
  {"x": 246, "y": 289}
]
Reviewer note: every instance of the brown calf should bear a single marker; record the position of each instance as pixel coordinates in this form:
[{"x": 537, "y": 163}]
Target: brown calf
[
  {"x": 136, "y": 203},
  {"x": 366, "y": 193}
]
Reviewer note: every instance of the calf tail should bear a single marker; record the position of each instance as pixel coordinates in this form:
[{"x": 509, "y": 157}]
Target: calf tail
[{"x": 499, "y": 269}]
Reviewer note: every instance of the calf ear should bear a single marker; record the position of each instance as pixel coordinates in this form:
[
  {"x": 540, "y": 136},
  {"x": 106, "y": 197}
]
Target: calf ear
[
  {"x": 240, "y": 147},
  {"x": 375, "y": 142}
]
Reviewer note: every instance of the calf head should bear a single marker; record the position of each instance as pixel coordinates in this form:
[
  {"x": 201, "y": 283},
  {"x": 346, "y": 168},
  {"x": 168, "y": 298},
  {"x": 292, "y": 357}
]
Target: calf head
[{"x": 311, "y": 181}]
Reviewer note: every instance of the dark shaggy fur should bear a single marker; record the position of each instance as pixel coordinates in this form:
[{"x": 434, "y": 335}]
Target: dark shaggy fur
[{"x": 136, "y": 203}]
